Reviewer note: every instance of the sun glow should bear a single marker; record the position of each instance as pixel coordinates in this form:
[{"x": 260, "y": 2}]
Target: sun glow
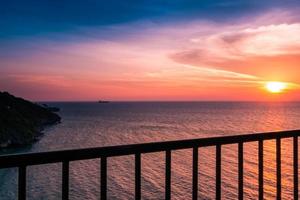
[{"x": 276, "y": 87}]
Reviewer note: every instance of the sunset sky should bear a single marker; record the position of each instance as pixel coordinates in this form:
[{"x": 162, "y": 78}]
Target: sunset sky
[{"x": 193, "y": 50}]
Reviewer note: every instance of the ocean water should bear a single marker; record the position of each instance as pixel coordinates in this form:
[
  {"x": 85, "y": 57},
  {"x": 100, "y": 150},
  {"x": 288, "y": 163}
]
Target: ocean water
[{"x": 93, "y": 125}]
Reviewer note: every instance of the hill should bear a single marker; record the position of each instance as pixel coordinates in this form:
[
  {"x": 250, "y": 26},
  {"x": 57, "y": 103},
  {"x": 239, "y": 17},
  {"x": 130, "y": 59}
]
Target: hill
[{"x": 22, "y": 121}]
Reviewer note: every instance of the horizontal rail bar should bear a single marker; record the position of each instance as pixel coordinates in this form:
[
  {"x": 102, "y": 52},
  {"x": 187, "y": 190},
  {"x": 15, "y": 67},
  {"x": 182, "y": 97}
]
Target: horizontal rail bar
[{"x": 15, "y": 160}]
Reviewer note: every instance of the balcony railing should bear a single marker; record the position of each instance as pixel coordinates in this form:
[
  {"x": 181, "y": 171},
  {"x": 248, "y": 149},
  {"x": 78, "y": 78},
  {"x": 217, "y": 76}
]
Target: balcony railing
[{"x": 21, "y": 161}]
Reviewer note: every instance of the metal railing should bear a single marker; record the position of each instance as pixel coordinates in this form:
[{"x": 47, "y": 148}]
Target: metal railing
[{"x": 23, "y": 160}]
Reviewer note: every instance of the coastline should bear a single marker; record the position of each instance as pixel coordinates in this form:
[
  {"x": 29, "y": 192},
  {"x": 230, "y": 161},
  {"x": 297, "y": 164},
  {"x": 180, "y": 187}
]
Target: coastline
[{"x": 22, "y": 122}]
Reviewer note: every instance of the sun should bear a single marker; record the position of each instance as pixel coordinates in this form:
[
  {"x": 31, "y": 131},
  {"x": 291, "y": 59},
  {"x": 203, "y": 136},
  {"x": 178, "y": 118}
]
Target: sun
[{"x": 275, "y": 87}]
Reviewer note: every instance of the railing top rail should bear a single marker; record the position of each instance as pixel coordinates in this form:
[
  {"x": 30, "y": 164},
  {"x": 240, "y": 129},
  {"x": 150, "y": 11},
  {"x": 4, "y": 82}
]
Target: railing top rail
[{"x": 16, "y": 160}]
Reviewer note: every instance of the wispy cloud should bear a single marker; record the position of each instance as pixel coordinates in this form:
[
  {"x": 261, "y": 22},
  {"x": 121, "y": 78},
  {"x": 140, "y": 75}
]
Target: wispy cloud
[{"x": 195, "y": 56}]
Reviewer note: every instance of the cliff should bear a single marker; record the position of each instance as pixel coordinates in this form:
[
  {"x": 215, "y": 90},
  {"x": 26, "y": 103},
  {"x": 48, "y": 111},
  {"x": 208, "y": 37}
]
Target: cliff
[{"x": 22, "y": 121}]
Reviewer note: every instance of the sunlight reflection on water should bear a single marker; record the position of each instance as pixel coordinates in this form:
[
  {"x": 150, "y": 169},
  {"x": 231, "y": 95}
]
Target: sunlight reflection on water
[{"x": 91, "y": 124}]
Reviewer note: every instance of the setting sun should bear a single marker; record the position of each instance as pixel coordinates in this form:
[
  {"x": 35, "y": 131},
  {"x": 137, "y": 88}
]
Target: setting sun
[{"x": 276, "y": 87}]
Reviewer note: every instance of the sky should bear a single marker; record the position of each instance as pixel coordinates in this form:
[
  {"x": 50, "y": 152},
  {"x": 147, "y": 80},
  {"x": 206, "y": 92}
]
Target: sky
[{"x": 156, "y": 50}]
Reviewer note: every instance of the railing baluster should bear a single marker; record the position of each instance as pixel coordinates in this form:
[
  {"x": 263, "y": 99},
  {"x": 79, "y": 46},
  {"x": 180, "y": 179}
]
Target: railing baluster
[
  {"x": 218, "y": 172},
  {"x": 278, "y": 167},
  {"x": 195, "y": 173},
  {"x": 137, "y": 176},
  {"x": 66, "y": 156},
  {"x": 22, "y": 183},
  {"x": 241, "y": 170},
  {"x": 261, "y": 169},
  {"x": 295, "y": 167},
  {"x": 103, "y": 178},
  {"x": 65, "y": 180},
  {"x": 168, "y": 175}
]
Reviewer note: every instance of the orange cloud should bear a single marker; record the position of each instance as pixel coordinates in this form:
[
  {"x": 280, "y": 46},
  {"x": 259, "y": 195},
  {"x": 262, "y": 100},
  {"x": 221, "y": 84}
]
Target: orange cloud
[{"x": 190, "y": 61}]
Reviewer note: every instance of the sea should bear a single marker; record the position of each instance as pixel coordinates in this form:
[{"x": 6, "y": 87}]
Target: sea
[{"x": 92, "y": 124}]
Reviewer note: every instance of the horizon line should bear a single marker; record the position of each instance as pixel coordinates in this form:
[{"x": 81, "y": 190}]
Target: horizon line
[{"x": 169, "y": 101}]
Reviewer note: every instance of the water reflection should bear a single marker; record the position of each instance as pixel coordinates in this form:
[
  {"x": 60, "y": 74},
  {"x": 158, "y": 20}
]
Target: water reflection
[{"x": 90, "y": 125}]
